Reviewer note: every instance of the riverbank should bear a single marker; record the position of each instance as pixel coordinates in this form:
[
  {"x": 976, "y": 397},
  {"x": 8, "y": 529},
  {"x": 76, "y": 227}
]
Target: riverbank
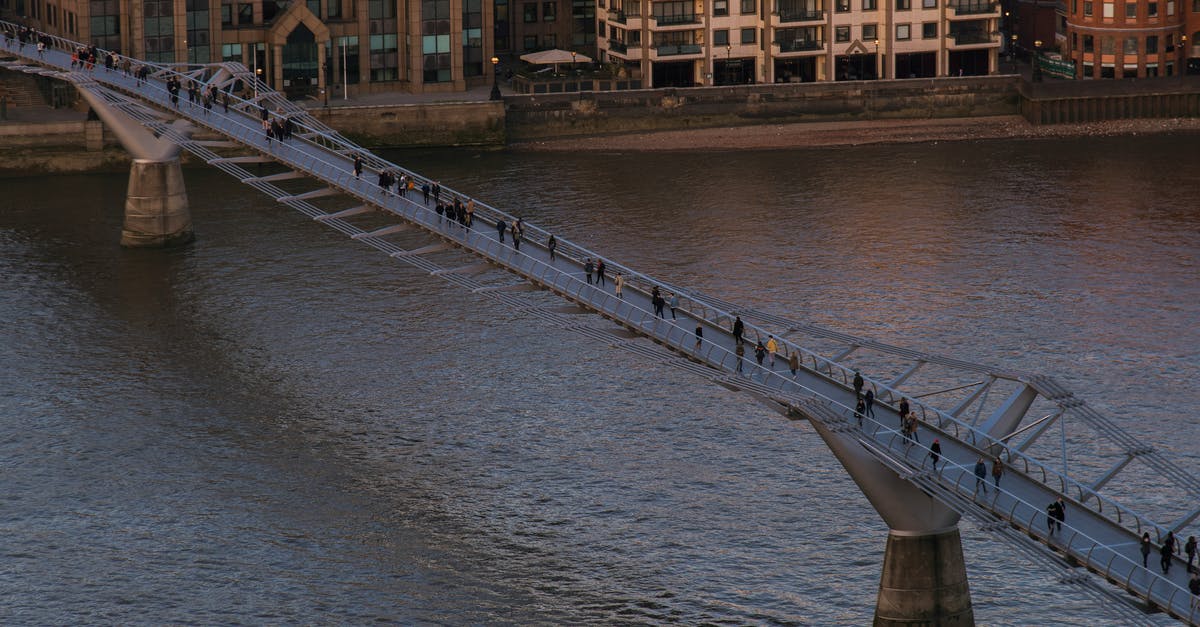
[{"x": 855, "y": 133}]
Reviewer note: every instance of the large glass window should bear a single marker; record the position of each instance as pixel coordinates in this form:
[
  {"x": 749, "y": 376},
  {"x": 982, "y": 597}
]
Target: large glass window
[
  {"x": 198, "y": 49},
  {"x": 549, "y": 11},
  {"x": 473, "y": 37},
  {"x": 749, "y": 35},
  {"x": 436, "y": 62},
  {"x": 159, "y": 30},
  {"x": 529, "y": 12},
  {"x": 384, "y": 57},
  {"x": 106, "y": 24},
  {"x": 903, "y": 33},
  {"x": 583, "y": 13},
  {"x": 345, "y": 49}
]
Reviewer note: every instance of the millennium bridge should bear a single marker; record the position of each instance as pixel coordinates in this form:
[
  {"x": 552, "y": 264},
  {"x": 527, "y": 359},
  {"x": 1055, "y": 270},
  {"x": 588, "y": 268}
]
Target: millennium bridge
[{"x": 1096, "y": 549}]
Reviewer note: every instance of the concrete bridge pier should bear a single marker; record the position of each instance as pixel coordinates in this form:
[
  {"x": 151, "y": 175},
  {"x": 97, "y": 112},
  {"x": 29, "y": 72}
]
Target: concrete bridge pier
[
  {"x": 924, "y": 579},
  {"x": 156, "y": 206}
]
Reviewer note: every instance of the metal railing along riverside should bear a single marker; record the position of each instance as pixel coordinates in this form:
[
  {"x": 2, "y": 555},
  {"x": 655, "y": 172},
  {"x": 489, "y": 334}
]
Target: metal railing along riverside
[{"x": 323, "y": 154}]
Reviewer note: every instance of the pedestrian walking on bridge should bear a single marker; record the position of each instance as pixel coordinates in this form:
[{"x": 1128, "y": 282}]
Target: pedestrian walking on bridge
[
  {"x": 869, "y": 401},
  {"x": 772, "y": 348},
  {"x": 600, "y": 272},
  {"x": 740, "y": 351},
  {"x": 738, "y": 329},
  {"x": 858, "y": 384},
  {"x": 674, "y": 304},
  {"x": 588, "y": 268},
  {"x": 501, "y": 225},
  {"x": 794, "y": 363},
  {"x": 1145, "y": 549},
  {"x": 618, "y": 284},
  {"x": 1167, "y": 552},
  {"x": 935, "y": 452},
  {"x": 997, "y": 471},
  {"x": 980, "y": 477},
  {"x": 552, "y": 245},
  {"x": 1190, "y": 550}
]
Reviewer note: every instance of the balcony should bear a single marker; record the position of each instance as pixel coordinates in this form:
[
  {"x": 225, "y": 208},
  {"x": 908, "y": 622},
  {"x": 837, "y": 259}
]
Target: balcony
[
  {"x": 972, "y": 9},
  {"x": 972, "y": 38},
  {"x": 786, "y": 16},
  {"x": 678, "y": 20},
  {"x": 676, "y": 50},
  {"x": 617, "y": 46},
  {"x": 801, "y": 45},
  {"x": 616, "y": 16}
]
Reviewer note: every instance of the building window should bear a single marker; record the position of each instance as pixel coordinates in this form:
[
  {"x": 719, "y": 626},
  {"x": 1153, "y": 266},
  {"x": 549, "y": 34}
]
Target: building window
[
  {"x": 529, "y": 42},
  {"x": 841, "y": 34},
  {"x": 549, "y": 41},
  {"x": 720, "y": 7},
  {"x": 1130, "y": 10},
  {"x": 842, "y": 6},
  {"x": 1152, "y": 9},
  {"x": 903, "y": 5},
  {"x": 333, "y": 9},
  {"x": 1152, "y": 44},
  {"x": 870, "y": 32},
  {"x": 159, "y": 30},
  {"x": 928, "y": 4},
  {"x": 231, "y": 53},
  {"x": 1106, "y": 45},
  {"x": 1108, "y": 10},
  {"x": 749, "y": 35},
  {"x": 929, "y": 30},
  {"x": 530, "y": 12},
  {"x": 720, "y": 38},
  {"x": 1131, "y": 46},
  {"x": 749, "y": 6},
  {"x": 436, "y": 58},
  {"x": 871, "y": 5},
  {"x": 198, "y": 50},
  {"x": 106, "y": 24},
  {"x": 1089, "y": 43},
  {"x": 1170, "y": 7},
  {"x": 549, "y": 11},
  {"x": 226, "y": 16},
  {"x": 902, "y": 32},
  {"x": 245, "y": 14}
]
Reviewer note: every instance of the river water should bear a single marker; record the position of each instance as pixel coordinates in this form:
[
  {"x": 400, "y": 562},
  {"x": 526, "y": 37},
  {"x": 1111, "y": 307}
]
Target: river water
[{"x": 277, "y": 425}]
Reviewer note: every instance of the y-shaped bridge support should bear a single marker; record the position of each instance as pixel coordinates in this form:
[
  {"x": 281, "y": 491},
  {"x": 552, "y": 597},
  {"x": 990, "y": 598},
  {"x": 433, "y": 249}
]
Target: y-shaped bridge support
[
  {"x": 156, "y": 206},
  {"x": 924, "y": 579}
]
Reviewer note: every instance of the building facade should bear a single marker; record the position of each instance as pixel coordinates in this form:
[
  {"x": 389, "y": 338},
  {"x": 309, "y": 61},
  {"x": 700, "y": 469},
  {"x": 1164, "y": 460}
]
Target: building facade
[
  {"x": 317, "y": 48},
  {"x": 1132, "y": 38},
  {"x": 531, "y": 25},
  {"x": 717, "y": 42}
]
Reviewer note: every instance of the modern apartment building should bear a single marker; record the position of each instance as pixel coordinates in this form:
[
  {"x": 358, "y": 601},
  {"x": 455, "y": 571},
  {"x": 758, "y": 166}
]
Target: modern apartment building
[
  {"x": 304, "y": 48},
  {"x": 718, "y": 42},
  {"x": 530, "y": 25},
  {"x": 1132, "y": 38}
]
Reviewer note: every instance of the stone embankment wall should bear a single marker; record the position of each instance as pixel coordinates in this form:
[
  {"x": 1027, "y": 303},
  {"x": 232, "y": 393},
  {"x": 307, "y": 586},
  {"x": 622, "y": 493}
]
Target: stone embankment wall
[
  {"x": 594, "y": 113},
  {"x": 435, "y": 124}
]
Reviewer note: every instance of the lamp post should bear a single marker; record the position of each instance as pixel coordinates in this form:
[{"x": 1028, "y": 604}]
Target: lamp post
[
  {"x": 495, "y": 79},
  {"x": 1012, "y": 50},
  {"x": 878, "y": 62},
  {"x": 1037, "y": 57},
  {"x": 1183, "y": 53}
]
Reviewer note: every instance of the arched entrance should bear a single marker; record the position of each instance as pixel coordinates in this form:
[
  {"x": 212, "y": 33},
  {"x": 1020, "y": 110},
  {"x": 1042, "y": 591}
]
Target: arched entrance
[{"x": 300, "y": 63}]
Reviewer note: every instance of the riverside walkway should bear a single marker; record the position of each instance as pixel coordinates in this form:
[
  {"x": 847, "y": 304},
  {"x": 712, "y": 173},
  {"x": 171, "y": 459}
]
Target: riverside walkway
[{"x": 313, "y": 173}]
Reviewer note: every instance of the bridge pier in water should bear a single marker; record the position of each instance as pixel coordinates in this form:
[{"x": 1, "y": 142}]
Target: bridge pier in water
[
  {"x": 924, "y": 578},
  {"x": 156, "y": 206}
]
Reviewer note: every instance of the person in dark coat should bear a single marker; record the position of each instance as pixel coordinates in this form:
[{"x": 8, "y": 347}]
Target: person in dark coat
[
  {"x": 1145, "y": 549},
  {"x": 935, "y": 451},
  {"x": 869, "y": 400},
  {"x": 760, "y": 352},
  {"x": 1167, "y": 551},
  {"x": 858, "y": 384},
  {"x": 980, "y": 474},
  {"x": 501, "y": 225},
  {"x": 738, "y": 329}
]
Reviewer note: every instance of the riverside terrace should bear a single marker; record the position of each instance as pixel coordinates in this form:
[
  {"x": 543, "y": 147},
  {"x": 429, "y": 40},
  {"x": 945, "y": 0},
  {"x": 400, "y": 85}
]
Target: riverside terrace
[{"x": 924, "y": 578}]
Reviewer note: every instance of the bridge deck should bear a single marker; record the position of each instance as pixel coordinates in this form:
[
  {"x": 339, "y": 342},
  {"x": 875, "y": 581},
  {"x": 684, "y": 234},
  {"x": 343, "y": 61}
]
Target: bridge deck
[{"x": 1098, "y": 533}]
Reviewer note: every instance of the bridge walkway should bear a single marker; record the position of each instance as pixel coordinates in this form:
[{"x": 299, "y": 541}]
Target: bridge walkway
[{"x": 1099, "y": 534}]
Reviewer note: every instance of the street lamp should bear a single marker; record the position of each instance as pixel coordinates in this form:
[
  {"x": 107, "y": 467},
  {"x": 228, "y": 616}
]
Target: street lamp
[
  {"x": 1183, "y": 62},
  {"x": 878, "y": 62},
  {"x": 1037, "y": 57},
  {"x": 495, "y": 79}
]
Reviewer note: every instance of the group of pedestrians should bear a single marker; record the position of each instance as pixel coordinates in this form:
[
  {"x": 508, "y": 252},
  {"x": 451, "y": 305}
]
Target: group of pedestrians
[{"x": 27, "y": 35}]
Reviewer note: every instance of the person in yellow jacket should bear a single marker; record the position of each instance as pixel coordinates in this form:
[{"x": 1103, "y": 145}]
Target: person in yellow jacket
[
  {"x": 772, "y": 348},
  {"x": 618, "y": 284}
]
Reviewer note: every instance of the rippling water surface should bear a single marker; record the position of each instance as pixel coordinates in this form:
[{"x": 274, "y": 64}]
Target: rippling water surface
[{"x": 277, "y": 425}]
